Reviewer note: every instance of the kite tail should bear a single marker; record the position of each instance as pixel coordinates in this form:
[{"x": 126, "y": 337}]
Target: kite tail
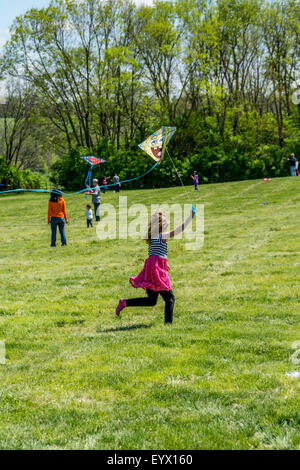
[
  {"x": 75, "y": 192},
  {"x": 88, "y": 180}
]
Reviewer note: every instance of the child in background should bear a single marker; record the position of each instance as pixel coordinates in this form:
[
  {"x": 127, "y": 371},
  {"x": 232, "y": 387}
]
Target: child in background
[
  {"x": 296, "y": 168},
  {"x": 104, "y": 184},
  {"x": 89, "y": 216},
  {"x": 195, "y": 179},
  {"x": 154, "y": 277}
]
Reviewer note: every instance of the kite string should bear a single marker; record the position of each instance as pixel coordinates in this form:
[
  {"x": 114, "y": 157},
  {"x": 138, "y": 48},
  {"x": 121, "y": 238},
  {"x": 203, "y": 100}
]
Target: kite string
[
  {"x": 175, "y": 167},
  {"x": 76, "y": 192},
  {"x": 187, "y": 190}
]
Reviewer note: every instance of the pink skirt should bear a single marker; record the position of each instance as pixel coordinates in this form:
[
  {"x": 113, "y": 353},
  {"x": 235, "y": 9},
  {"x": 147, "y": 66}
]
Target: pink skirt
[{"x": 153, "y": 276}]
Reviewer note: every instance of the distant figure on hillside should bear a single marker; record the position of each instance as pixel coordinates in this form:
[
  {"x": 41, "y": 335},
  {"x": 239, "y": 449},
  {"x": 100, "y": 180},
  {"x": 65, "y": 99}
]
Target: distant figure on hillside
[
  {"x": 117, "y": 185},
  {"x": 89, "y": 215},
  {"x": 195, "y": 178},
  {"x": 292, "y": 160},
  {"x": 57, "y": 216},
  {"x": 96, "y": 198},
  {"x": 154, "y": 277},
  {"x": 104, "y": 184},
  {"x": 296, "y": 167}
]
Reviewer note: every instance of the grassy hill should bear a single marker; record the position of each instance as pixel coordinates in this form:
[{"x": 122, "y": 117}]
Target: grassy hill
[{"x": 77, "y": 377}]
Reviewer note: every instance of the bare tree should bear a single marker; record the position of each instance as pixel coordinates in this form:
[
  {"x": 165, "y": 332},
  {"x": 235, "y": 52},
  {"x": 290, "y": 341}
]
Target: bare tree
[{"x": 17, "y": 111}]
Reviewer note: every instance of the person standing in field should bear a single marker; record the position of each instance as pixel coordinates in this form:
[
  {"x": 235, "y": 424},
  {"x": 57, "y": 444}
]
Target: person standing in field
[
  {"x": 195, "y": 178},
  {"x": 296, "y": 167},
  {"x": 57, "y": 216},
  {"x": 96, "y": 199},
  {"x": 292, "y": 161},
  {"x": 154, "y": 277},
  {"x": 104, "y": 184},
  {"x": 116, "y": 181}
]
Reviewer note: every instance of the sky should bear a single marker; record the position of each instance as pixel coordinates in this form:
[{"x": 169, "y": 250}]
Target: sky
[{"x": 9, "y": 9}]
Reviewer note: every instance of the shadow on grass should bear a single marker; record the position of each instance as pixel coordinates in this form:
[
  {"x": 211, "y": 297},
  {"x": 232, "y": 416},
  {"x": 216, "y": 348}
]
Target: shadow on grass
[{"x": 125, "y": 328}]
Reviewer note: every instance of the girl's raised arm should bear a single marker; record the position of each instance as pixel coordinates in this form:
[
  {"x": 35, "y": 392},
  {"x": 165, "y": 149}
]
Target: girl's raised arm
[{"x": 180, "y": 228}]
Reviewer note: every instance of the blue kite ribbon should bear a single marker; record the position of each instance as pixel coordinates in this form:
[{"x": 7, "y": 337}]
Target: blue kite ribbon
[
  {"x": 76, "y": 192},
  {"x": 89, "y": 177},
  {"x": 88, "y": 180}
]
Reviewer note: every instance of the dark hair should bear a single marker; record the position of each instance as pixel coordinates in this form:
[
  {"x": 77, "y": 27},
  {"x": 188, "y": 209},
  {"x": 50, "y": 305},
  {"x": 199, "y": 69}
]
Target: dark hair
[
  {"x": 88, "y": 205},
  {"x": 55, "y": 195}
]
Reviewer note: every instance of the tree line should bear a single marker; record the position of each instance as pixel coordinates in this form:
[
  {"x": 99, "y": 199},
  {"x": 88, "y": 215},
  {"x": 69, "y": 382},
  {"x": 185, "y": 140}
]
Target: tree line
[{"x": 98, "y": 77}]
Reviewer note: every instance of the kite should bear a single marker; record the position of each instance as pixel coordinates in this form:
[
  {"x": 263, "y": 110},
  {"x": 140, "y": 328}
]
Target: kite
[
  {"x": 92, "y": 161},
  {"x": 155, "y": 145}
]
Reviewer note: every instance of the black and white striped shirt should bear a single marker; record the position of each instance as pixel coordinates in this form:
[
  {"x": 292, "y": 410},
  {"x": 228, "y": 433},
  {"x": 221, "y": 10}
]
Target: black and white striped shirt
[{"x": 158, "y": 247}]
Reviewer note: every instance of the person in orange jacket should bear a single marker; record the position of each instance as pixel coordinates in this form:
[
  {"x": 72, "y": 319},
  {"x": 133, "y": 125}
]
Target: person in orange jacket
[{"x": 57, "y": 216}]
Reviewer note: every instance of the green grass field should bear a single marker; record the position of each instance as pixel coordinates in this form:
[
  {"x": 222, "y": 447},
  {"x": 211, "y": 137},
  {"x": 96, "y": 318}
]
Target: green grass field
[{"x": 77, "y": 377}]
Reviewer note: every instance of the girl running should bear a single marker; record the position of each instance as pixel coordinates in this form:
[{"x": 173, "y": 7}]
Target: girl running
[{"x": 154, "y": 277}]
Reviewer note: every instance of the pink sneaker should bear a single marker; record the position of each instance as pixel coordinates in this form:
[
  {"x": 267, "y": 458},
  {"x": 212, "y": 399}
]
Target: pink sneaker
[{"x": 122, "y": 304}]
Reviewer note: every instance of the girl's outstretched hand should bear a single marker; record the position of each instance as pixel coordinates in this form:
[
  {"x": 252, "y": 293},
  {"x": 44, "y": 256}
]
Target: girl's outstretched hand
[{"x": 168, "y": 267}]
